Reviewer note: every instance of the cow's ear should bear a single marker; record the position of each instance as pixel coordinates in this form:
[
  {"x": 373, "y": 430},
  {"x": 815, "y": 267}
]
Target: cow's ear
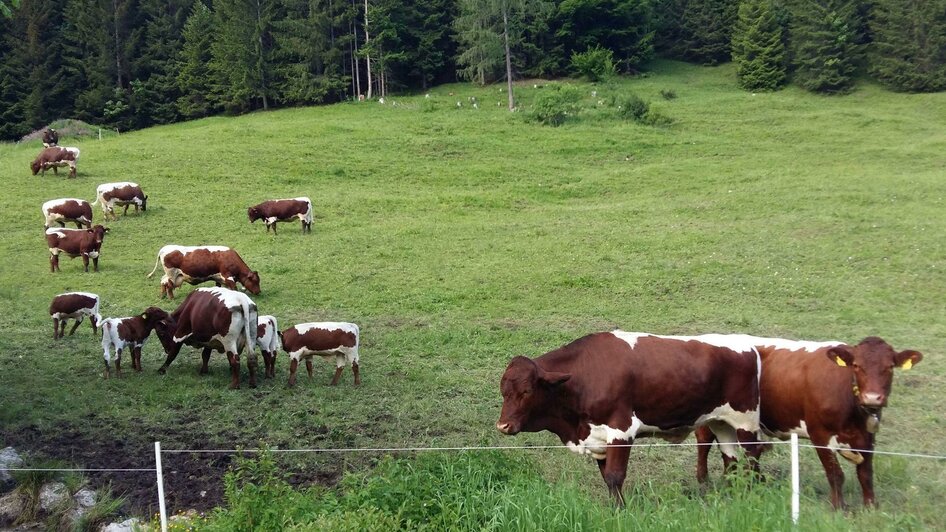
[
  {"x": 554, "y": 379},
  {"x": 841, "y": 355},
  {"x": 144, "y": 315},
  {"x": 907, "y": 359}
]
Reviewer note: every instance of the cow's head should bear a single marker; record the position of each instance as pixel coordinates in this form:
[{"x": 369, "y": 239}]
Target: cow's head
[
  {"x": 251, "y": 282},
  {"x": 527, "y": 392},
  {"x": 95, "y": 318},
  {"x": 144, "y": 203},
  {"x": 36, "y": 166},
  {"x": 99, "y": 232},
  {"x": 872, "y": 361},
  {"x": 165, "y": 329},
  {"x": 153, "y": 315},
  {"x": 253, "y": 213}
]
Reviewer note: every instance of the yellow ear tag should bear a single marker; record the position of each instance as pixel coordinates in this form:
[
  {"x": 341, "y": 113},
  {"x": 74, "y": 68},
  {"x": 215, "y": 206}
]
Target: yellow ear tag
[
  {"x": 840, "y": 362},
  {"x": 907, "y": 365}
]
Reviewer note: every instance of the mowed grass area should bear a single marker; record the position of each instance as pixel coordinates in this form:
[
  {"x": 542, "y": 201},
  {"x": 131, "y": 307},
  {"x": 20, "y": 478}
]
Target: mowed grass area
[{"x": 459, "y": 237}]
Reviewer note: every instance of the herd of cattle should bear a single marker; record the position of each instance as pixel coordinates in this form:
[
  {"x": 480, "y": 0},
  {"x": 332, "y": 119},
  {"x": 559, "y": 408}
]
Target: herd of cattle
[
  {"x": 219, "y": 319},
  {"x": 597, "y": 394}
]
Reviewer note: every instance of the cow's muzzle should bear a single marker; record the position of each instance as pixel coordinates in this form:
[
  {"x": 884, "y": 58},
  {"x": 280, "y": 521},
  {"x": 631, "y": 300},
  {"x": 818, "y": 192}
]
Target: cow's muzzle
[{"x": 508, "y": 429}]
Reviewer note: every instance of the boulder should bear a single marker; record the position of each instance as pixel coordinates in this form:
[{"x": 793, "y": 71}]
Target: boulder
[
  {"x": 8, "y": 458},
  {"x": 52, "y": 495},
  {"x": 11, "y": 506},
  {"x": 128, "y": 525},
  {"x": 85, "y": 498}
]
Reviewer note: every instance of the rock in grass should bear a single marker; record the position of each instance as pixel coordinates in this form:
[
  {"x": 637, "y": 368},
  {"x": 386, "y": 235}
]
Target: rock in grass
[
  {"x": 128, "y": 525},
  {"x": 8, "y": 458},
  {"x": 51, "y": 496}
]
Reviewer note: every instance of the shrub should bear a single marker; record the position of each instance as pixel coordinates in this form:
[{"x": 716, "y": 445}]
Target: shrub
[
  {"x": 594, "y": 63},
  {"x": 632, "y": 107},
  {"x": 552, "y": 107},
  {"x": 668, "y": 94}
]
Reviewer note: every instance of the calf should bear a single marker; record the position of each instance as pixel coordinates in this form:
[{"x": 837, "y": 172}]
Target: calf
[
  {"x": 75, "y": 305},
  {"x": 267, "y": 338},
  {"x": 125, "y": 193},
  {"x": 198, "y": 264},
  {"x": 131, "y": 332},
  {"x": 283, "y": 210},
  {"x": 601, "y": 392},
  {"x": 325, "y": 339},
  {"x": 830, "y": 393},
  {"x": 67, "y": 210},
  {"x": 75, "y": 242},
  {"x": 54, "y": 157},
  {"x": 213, "y": 319}
]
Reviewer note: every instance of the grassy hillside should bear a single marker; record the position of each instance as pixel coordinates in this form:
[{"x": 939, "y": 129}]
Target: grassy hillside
[{"x": 459, "y": 237}]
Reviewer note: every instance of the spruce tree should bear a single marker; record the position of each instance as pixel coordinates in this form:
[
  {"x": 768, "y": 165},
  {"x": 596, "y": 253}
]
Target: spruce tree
[
  {"x": 909, "y": 48},
  {"x": 626, "y": 27},
  {"x": 311, "y": 44},
  {"x": 824, "y": 44},
  {"x": 241, "y": 54},
  {"x": 757, "y": 47},
  {"x": 154, "y": 87},
  {"x": 707, "y": 30}
]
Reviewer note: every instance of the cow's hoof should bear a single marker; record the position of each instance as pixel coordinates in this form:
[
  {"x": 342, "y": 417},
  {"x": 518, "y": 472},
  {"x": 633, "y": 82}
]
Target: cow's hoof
[{"x": 234, "y": 386}]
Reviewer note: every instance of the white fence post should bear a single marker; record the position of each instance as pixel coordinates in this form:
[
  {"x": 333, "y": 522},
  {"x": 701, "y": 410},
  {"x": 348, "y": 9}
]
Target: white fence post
[
  {"x": 795, "y": 480},
  {"x": 157, "y": 465}
]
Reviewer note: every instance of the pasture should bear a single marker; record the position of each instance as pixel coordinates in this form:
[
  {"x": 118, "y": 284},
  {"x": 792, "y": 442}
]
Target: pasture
[{"x": 457, "y": 238}]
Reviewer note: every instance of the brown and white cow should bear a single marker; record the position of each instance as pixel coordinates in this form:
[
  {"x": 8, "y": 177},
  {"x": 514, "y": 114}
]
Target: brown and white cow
[
  {"x": 54, "y": 157},
  {"x": 74, "y": 305},
  {"x": 283, "y": 210},
  {"x": 830, "y": 393},
  {"x": 267, "y": 338},
  {"x": 67, "y": 210},
  {"x": 602, "y": 391},
  {"x": 131, "y": 332},
  {"x": 198, "y": 264},
  {"x": 215, "y": 319},
  {"x": 86, "y": 243},
  {"x": 325, "y": 339},
  {"x": 124, "y": 193}
]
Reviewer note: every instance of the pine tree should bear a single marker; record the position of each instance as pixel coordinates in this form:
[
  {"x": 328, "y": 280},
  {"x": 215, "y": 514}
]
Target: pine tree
[
  {"x": 707, "y": 30},
  {"x": 757, "y": 47},
  {"x": 154, "y": 87},
  {"x": 626, "y": 27},
  {"x": 193, "y": 70},
  {"x": 909, "y": 48},
  {"x": 481, "y": 45},
  {"x": 241, "y": 62},
  {"x": 825, "y": 51}
]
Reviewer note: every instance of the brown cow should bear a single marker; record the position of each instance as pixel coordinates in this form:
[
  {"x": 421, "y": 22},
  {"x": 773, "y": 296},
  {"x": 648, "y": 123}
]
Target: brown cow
[
  {"x": 50, "y": 137},
  {"x": 75, "y": 242},
  {"x": 283, "y": 210},
  {"x": 215, "y": 319},
  {"x": 75, "y": 305},
  {"x": 326, "y": 339},
  {"x": 830, "y": 393},
  {"x": 54, "y": 157},
  {"x": 131, "y": 332},
  {"x": 125, "y": 193},
  {"x": 198, "y": 264},
  {"x": 67, "y": 210},
  {"x": 600, "y": 392},
  {"x": 267, "y": 338}
]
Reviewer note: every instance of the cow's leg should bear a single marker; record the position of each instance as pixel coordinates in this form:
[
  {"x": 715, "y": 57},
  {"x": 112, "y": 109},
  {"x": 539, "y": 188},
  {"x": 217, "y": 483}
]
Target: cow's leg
[
  {"x": 85, "y": 262},
  {"x": 78, "y": 225},
  {"x": 293, "y": 365},
  {"x": 95, "y": 263},
  {"x": 62, "y": 328},
  {"x": 167, "y": 361},
  {"x": 118, "y": 363},
  {"x": 704, "y": 440},
  {"x": 252, "y": 365},
  {"x": 308, "y": 366},
  {"x": 72, "y": 170},
  {"x": 74, "y": 327},
  {"x": 125, "y": 213},
  {"x": 136, "y": 358},
  {"x": 205, "y": 359},
  {"x": 832, "y": 470},
  {"x": 53, "y": 262},
  {"x": 865, "y": 470},
  {"x": 105, "y": 374},
  {"x": 234, "y": 359},
  {"x": 55, "y": 328},
  {"x": 614, "y": 469},
  {"x": 266, "y": 362},
  {"x": 354, "y": 369}
]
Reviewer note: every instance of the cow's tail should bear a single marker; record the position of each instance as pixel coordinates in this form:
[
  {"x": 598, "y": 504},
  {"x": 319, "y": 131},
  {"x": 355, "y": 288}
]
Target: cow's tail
[
  {"x": 157, "y": 262},
  {"x": 250, "y": 324},
  {"x": 308, "y": 214},
  {"x": 98, "y": 198}
]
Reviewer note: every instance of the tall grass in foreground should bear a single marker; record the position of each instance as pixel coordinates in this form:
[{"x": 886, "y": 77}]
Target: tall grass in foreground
[{"x": 498, "y": 491}]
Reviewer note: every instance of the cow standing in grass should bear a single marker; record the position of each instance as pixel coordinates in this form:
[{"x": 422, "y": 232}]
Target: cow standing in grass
[
  {"x": 267, "y": 338},
  {"x": 283, "y": 210},
  {"x": 326, "y": 339},
  {"x": 198, "y": 264},
  {"x": 86, "y": 243},
  {"x": 76, "y": 306},
  {"x": 54, "y": 157},
  {"x": 67, "y": 210},
  {"x": 830, "y": 393},
  {"x": 110, "y": 195},
  {"x": 131, "y": 332}
]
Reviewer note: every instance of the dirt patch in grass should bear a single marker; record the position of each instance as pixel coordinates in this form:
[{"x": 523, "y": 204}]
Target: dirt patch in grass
[{"x": 191, "y": 480}]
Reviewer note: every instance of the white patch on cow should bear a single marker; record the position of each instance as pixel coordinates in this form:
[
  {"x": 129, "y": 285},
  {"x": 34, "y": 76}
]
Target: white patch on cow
[
  {"x": 269, "y": 341},
  {"x": 93, "y": 254},
  {"x": 801, "y": 430},
  {"x": 109, "y": 206},
  {"x": 51, "y": 217},
  {"x": 59, "y": 231},
  {"x": 170, "y": 248},
  {"x": 75, "y": 151},
  {"x": 271, "y": 220},
  {"x": 79, "y": 314},
  {"x": 230, "y": 298},
  {"x": 342, "y": 354},
  {"x": 736, "y": 342},
  {"x": 748, "y": 420},
  {"x": 111, "y": 338}
]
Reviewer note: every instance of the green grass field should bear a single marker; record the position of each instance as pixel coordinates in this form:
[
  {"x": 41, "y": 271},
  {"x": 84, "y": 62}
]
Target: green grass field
[{"x": 458, "y": 237}]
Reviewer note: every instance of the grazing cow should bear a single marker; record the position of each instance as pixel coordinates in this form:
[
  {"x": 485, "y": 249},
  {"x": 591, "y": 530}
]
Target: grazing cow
[
  {"x": 216, "y": 319},
  {"x": 325, "y": 339},
  {"x": 600, "y": 392},
  {"x": 267, "y": 338},
  {"x": 67, "y": 210},
  {"x": 75, "y": 305},
  {"x": 198, "y": 264},
  {"x": 75, "y": 242},
  {"x": 125, "y": 193},
  {"x": 283, "y": 210},
  {"x": 50, "y": 137},
  {"x": 830, "y": 393},
  {"x": 132, "y": 332},
  {"x": 54, "y": 157}
]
